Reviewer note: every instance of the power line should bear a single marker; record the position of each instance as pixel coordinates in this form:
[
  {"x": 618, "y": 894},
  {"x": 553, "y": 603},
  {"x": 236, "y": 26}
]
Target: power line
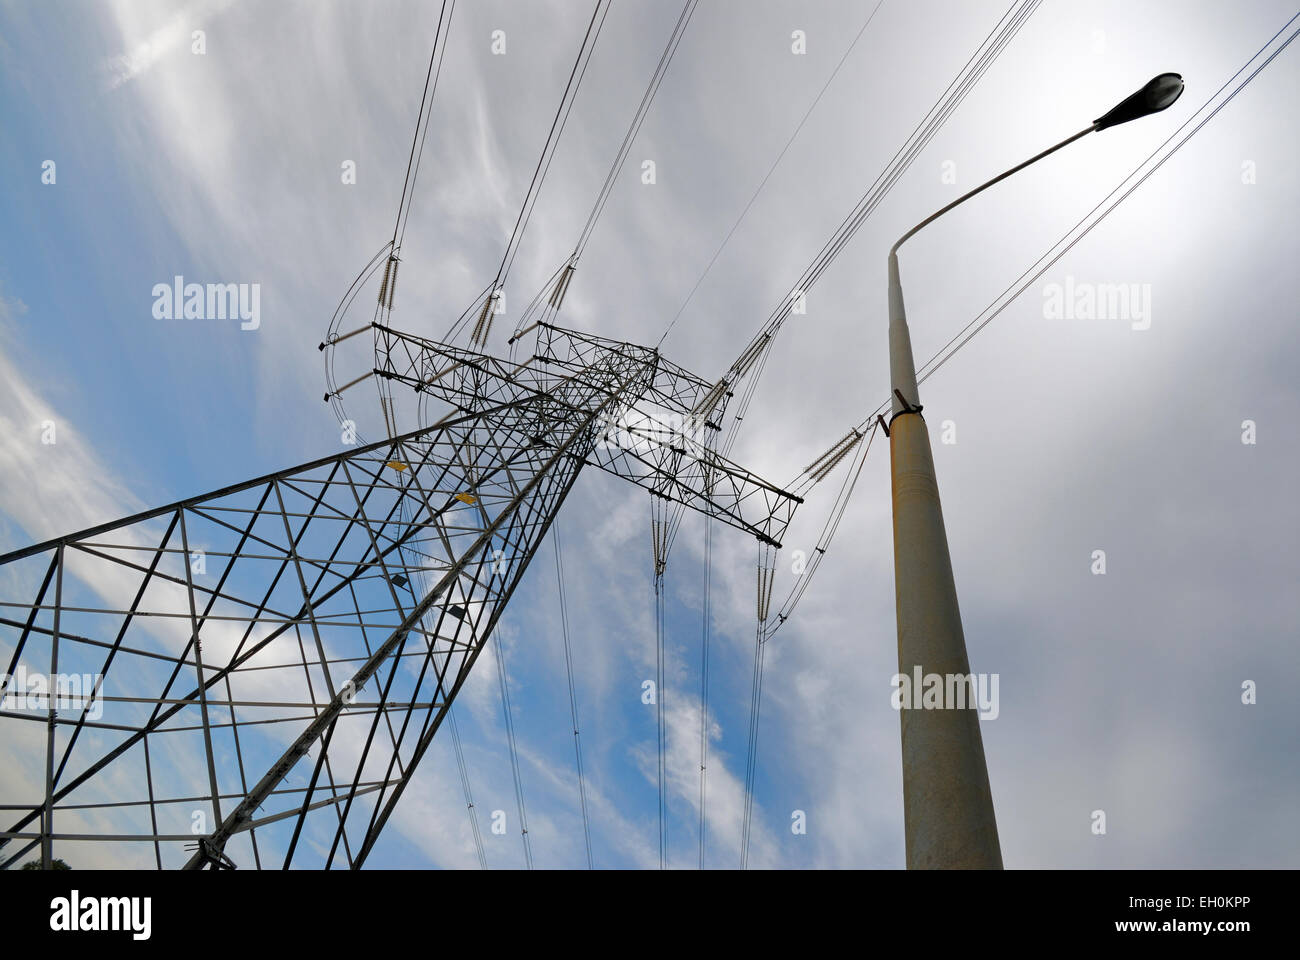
[
  {"x": 393, "y": 247},
  {"x": 755, "y": 704},
  {"x": 766, "y": 572},
  {"x": 464, "y": 783},
  {"x": 658, "y": 529},
  {"x": 665, "y": 58},
  {"x": 770, "y": 170},
  {"x": 514, "y": 753},
  {"x": 704, "y": 674},
  {"x": 827, "y": 534},
  {"x": 753, "y": 359},
  {"x": 573, "y": 696},
  {"x": 422, "y": 119},
  {"x": 579, "y": 70},
  {"x": 659, "y": 718},
  {"x": 984, "y": 57},
  {"x": 559, "y": 281}
]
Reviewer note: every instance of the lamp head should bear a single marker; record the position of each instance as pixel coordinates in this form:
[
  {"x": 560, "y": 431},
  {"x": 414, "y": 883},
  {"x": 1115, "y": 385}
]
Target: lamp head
[{"x": 1159, "y": 93}]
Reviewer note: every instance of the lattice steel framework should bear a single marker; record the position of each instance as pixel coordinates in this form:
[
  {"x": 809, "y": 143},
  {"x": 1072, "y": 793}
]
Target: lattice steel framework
[{"x": 263, "y": 667}]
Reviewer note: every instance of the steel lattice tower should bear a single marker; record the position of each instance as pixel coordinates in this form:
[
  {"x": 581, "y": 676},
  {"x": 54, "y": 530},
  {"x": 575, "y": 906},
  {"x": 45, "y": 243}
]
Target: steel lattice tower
[{"x": 268, "y": 663}]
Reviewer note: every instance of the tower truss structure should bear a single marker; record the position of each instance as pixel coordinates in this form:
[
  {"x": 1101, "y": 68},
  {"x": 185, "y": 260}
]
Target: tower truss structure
[{"x": 266, "y": 665}]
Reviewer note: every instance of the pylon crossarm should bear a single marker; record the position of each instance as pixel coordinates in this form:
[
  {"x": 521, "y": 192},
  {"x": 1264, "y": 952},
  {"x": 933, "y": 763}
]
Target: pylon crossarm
[
  {"x": 703, "y": 481},
  {"x": 650, "y": 436}
]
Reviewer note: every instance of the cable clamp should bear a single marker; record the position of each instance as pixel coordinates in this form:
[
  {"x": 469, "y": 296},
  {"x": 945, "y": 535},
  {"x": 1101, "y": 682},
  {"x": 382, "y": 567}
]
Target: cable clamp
[{"x": 907, "y": 407}]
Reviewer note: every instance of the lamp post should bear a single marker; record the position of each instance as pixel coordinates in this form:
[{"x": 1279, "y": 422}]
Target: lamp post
[{"x": 947, "y": 805}]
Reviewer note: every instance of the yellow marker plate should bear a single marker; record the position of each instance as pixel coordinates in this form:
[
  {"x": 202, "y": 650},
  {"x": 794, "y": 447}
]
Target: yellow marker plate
[{"x": 466, "y": 498}]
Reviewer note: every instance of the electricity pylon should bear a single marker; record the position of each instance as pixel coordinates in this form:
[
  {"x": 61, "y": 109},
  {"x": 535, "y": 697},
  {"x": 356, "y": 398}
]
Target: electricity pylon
[{"x": 265, "y": 665}]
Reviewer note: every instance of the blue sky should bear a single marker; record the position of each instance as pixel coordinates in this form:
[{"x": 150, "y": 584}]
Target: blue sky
[{"x": 1118, "y": 692}]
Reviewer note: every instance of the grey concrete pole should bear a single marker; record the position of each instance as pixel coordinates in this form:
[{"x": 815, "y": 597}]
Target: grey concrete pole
[{"x": 947, "y": 804}]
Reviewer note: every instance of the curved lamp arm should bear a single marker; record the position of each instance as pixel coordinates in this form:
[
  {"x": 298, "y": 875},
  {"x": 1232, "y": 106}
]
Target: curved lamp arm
[
  {"x": 902, "y": 369},
  {"x": 984, "y": 186},
  {"x": 1159, "y": 93}
]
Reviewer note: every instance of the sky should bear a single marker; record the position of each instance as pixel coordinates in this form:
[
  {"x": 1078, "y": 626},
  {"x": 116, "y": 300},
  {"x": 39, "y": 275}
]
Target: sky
[{"x": 1119, "y": 692}]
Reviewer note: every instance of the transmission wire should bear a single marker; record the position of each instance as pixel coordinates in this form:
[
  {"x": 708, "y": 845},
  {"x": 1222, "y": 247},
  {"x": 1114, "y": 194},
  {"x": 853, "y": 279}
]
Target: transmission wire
[
  {"x": 647, "y": 98},
  {"x": 573, "y": 697},
  {"x": 552, "y": 138},
  {"x": 514, "y": 752},
  {"x": 770, "y": 170},
  {"x": 985, "y": 55},
  {"x": 704, "y": 674}
]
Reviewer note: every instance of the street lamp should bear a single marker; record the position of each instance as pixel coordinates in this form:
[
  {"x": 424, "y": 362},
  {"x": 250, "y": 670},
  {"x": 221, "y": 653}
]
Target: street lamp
[{"x": 947, "y": 804}]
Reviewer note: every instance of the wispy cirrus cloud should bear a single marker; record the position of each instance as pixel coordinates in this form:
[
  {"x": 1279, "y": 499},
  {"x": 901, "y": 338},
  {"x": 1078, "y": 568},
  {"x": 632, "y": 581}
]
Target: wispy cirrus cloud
[{"x": 145, "y": 49}]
